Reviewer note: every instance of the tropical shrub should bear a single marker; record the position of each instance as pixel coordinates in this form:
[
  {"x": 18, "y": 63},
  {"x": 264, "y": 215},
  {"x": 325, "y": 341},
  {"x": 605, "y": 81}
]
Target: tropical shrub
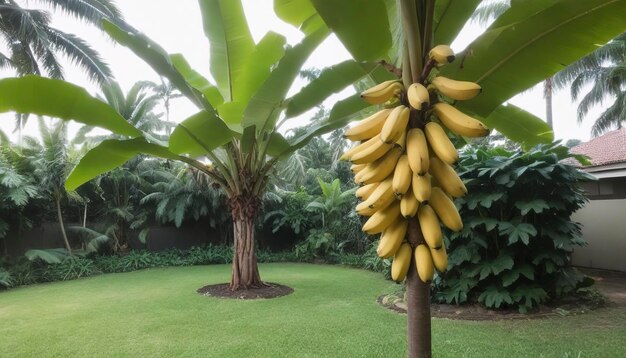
[
  {"x": 72, "y": 268},
  {"x": 5, "y": 279},
  {"x": 514, "y": 250}
]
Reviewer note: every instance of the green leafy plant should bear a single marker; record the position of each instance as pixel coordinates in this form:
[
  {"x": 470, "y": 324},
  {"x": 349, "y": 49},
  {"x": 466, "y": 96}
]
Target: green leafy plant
[
  {"x": 514, "y": 250},
  {"x": 72, "y": 268},
  {"x": 6, "y": 280},
  {"x": 289, "y": 213}
]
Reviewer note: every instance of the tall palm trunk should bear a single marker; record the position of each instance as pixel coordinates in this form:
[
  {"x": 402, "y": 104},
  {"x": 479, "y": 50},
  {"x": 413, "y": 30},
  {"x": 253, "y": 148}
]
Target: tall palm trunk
[
  {"x": 547, "y": 94},
  {"x": 245, "y": 271},
  {"x": 57, "y": 199}
]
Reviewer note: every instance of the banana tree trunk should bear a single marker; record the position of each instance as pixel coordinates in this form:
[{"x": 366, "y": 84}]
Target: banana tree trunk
[
  {"x": 62, "y": 226},
  {"x": 245, "y": 271},
  {"x": 418, "y": 303}
]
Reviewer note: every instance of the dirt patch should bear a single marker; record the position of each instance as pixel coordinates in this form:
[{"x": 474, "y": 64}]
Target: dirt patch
[
  {"x": 584, "y": 301},
  {"x": 222, "y": 290},
  {"x": 611, "y": 283},
  {"x": 469, "y": 312}
]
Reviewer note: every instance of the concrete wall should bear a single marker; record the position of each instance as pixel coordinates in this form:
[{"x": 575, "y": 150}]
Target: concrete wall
[{"x": 604, "y": 229}]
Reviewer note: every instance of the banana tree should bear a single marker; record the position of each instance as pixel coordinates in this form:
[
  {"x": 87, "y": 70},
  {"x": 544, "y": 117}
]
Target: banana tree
[
  {"x": 529, "y": 42},
  {"x": 234, "y": 137}
]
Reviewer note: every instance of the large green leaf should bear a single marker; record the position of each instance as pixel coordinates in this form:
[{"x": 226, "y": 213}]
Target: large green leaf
[
  {"x": 331, "y": 80},
  {"x": 196, "y": 80},
  {"x": 199, "y": 134},
  {"x": 361, "y": 25},
  {"x": 343, "y": 112},
  {"x": 294, "y": 12},
  {"x": 109, "y": 155},
  {"x": 60, "y": 99},
  {"x": 258, "y": 67},
  {"x": 531, "y": 41},
  {"x": 450, "y": 17},
  {"x": 263, "y": 108},
  {"x": 278, "y": 146},
  {"x": 519, "y": 125},
  {"x": 231, "y": 43},
  {"x": 157, "y": 58}
]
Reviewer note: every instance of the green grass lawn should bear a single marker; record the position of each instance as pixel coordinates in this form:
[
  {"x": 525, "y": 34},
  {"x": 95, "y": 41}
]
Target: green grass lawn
[{"x": 332, "y": 313}]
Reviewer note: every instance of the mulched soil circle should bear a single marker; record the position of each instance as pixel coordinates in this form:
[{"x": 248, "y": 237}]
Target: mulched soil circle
[{"x": 269, "y": 290}]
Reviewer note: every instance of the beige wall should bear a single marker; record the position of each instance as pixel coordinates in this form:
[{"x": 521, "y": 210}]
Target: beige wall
[{"x": 604, "y": 229}]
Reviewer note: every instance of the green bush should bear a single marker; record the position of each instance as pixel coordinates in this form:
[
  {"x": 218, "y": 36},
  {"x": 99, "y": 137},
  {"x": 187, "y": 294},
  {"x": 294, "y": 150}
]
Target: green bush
[
  {"x": 70, "y": 269},
  {"x": 6, "y": 280},
  {"x": 514, "y": 249}
]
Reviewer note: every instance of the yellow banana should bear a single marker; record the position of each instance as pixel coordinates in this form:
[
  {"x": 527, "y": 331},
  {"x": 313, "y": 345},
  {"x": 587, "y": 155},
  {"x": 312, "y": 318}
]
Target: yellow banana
[
  {"x": 381, "y": 168},
  {"x": 417, "y": 151},
  {"x": 355, "y": 168},
  {"x": 445, "y": 209},
  {"x": 442, "y": 54},
  {"x": 365, "y": 191},
  {"x": 368, "y": 127},
  {"x": 402, "y": 176},
  {"x": 392, "y": 238},
  {"x": 447, "y": 178},
  {"x": 401, "y": 142},
  {"x": 382, "y": 219},
  {"x": 430, "y": 226},
  {"x": 395, "y": 125},
  {"x": 401, "y": 263},
  {"x": 408, "y": 205},
  {"x": 440, "y": 258},
  {"x": 440, "y": 143},
  {"x": 382, "y": 92},
  {"x": 418, "y": 96},
  {"x": 347, "y": 155},
  {"x": 421, "y": 185},
  {"x": 424, "y": 263},
  {"x": 382, "y": 196},
  {"x": 373, "y": 149},
  {"x": 457, "y": 90},
  {"x": 459, "y": 122},
  {"x": 358, "y": 176},
  {"x": 364, "y": 209},
  {"x": 350, "y": 152}
]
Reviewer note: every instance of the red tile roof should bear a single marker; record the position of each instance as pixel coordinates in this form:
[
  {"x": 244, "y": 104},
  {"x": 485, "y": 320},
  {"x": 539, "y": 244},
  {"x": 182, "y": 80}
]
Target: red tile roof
[{"x": 609, "y": 148}]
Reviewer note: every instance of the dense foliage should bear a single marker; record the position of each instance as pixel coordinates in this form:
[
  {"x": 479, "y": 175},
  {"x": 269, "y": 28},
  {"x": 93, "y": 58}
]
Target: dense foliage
[
  {"x": 27, "y": 272},
  {"x": 514, "y": 250}
]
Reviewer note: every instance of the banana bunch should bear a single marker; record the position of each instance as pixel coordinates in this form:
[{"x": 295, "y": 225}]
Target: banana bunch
[{"x": 404, "y": 163}]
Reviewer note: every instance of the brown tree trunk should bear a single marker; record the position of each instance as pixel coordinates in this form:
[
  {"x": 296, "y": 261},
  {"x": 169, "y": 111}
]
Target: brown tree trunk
[
  {"x": 418, "y": 303},
  {"x": 60, "y": 218},
  {"x": 245, "y": 271}
]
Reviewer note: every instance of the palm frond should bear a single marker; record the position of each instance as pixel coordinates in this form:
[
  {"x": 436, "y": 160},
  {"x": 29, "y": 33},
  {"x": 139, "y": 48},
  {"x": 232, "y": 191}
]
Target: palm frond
[
  {"x": 613, "y": 117},
  {"x": 81, "y": 54},
  {"x": 92, "y": 11},
  {"x": 599, "y": 92},
  {"x": 489, "y": 10},
  {"x": 6, "y": 62}
]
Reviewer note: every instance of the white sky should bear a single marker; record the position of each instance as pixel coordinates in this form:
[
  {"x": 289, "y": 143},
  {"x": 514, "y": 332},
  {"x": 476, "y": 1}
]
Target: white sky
[{"x": 177, "y": 27}]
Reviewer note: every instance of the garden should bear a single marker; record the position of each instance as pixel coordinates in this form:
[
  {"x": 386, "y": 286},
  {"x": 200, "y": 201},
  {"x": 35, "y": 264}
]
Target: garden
[{"x": 251, "y": 226}]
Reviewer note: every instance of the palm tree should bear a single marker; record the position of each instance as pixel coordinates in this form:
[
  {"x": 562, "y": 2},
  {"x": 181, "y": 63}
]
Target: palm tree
[
  {"x": 166, "y": 92},
  {"x": 605, "y": 70},
  {"x": 137, "y": 106},
  {"x": 52, "y": 164},
  {"x": 34, "y": 46}
]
